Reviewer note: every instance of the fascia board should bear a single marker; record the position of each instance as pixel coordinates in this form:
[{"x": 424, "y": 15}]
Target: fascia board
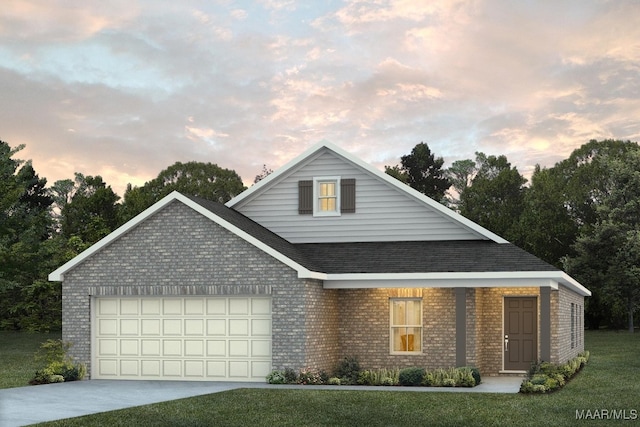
[
  {"x": 303, "y": 272},
  {"x": 452, "y": 280}
]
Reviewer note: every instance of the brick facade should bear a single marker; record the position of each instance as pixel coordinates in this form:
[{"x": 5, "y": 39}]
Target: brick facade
[{"x": 177, "y": 251}]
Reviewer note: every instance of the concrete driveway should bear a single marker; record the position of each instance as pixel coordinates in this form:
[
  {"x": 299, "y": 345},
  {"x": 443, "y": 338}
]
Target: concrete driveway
[{"x": 29, "y": 405}]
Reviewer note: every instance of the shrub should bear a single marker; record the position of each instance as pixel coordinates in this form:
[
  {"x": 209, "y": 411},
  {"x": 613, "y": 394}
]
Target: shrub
[
  {"x": 411, "y": 376},
  {"x": 309, "y": 376},
  {"x": 334, "y": 381},
  {"x": 59, "y": 366},
  {"x": 348, "y": 370},
  {"x": 290, "y": 376},
  {"x": 545, "y": 377},
  {"x": 276, "y": 377},
  {"x": 475, "y": 372},
  {"x": 379, "y": 377}
]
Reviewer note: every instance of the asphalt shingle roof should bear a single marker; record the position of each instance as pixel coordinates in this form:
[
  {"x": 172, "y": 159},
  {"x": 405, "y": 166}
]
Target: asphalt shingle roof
[{"x": 389, "y": 257}]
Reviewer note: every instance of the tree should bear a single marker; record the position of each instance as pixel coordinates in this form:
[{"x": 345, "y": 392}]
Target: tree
[
  {"x": 92, "y": 212},
  {"x": 422, "y": 171},
  {"x": 265, "y": 173},
  {"x": 205, "y": 180},
  {"x": 495, "y": 198},
  {"x": 460, "y": 175},
  {"x": 546, "y": 227},
  {"x": 608, "y": 253},
  {"x": 25, "y": 230}
]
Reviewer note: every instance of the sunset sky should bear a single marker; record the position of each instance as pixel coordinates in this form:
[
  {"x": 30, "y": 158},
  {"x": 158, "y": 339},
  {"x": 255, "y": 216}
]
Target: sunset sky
[{"x": 124, "y": 89}]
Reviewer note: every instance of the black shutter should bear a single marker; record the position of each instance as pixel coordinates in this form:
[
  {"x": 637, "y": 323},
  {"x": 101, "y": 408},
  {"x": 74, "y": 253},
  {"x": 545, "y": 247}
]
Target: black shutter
[
  {"x": 348, "y": 195},
  {"x": 305, "y": 197}
]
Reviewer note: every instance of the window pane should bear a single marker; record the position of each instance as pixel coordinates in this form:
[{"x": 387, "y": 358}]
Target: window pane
[
  {"x": 413, "y": 313},
  {"x": 398, "y": 313},
  {"x": 327, "y": 189},
  {"x": 399, "y": 339}
]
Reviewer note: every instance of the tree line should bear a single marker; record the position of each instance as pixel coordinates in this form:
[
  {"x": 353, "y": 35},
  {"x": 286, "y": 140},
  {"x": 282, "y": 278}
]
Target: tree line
[{"x": 581, "y": 215}]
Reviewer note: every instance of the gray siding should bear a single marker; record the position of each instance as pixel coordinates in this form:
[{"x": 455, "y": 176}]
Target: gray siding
[{"x": 382, "y": 212}]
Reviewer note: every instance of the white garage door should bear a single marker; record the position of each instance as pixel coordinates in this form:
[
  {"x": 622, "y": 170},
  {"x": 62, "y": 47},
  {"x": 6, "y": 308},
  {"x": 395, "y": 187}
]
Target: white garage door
[{"x": 174, "y": 338}]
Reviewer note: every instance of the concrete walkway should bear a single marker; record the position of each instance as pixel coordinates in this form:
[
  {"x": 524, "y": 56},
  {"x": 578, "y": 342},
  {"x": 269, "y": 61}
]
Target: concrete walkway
[{"x": 29, "y": 405}]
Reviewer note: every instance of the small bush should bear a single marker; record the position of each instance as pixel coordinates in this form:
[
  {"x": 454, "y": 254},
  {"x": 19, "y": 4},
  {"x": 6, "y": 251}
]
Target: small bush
[
  {"x": 334, "y": 381},
  {"x": 411, "y": 376},
  {"x": 546, "y": 377},
  {"x": 276, "y": 377},
  {"x": 348, "y": 370},
  {"x": 379, "y": 377},
  {"x": 290, "y": 376},
  {"x": 309, "y": 376},
  {"x": 59, "y": 366}
]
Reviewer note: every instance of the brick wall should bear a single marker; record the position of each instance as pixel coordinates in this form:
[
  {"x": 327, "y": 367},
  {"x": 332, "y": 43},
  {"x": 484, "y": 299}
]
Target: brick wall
[
  {"x": 365, "y": 330},
  {"x": 562, "y": 322},
  {"x": 180, "y": 252}
]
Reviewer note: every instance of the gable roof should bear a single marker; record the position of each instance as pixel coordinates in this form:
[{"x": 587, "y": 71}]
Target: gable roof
[
  {"x": 315, "y": 150},
  {"x": 384, "y": 264}
]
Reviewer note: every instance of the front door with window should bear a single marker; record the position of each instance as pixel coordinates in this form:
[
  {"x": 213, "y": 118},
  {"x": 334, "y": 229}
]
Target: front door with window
[{"x": 520, "y": 343}]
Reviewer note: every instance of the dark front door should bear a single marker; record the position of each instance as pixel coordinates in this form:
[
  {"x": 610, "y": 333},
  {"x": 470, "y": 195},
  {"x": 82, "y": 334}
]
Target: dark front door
[{"x": 520, "y": 343}]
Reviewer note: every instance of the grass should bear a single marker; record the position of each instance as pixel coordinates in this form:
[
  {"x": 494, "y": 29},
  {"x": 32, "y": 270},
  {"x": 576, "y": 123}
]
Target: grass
[
  {"x": 609, "y": 381},
  {"x": 17, "y": 349}
]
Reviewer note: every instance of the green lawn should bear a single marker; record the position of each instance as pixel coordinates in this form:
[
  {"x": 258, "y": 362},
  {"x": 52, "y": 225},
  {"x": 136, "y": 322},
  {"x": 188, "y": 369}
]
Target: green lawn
[
  {"x": 17, "y": 349},
  {"x": 609, "y": 381}
]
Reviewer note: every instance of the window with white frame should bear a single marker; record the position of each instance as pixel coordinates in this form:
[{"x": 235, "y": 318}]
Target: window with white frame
[
  {"x": 573, "y": 325},
  {"x": 326, "y": 196},
  {"x": 406, "y": 325}
]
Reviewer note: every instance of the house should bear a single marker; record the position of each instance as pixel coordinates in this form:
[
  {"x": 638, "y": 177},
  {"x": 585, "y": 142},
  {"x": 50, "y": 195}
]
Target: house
[{"x": 325, "y": 258}]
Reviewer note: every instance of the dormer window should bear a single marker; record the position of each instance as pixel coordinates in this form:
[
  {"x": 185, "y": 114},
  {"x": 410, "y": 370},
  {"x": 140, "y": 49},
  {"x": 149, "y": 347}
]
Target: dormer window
[
  {"x": 327, "y": 196},
  {"x": 326, "y": 193}
]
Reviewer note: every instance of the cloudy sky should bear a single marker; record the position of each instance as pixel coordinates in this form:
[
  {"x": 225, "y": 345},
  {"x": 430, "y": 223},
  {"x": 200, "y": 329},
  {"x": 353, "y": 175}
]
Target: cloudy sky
[{"x": 125, "y": 88}]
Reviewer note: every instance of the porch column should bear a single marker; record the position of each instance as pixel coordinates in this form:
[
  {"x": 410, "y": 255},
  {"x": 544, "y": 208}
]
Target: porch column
[
  {"x": 545, "y": 324},
  {"x": 461, "y": 326}
]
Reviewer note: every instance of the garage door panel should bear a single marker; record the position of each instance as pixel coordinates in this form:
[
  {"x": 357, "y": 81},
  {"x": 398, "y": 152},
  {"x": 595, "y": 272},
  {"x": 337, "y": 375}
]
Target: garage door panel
[
  {"x": 129, "y": 368},
  {"x": 217, "y": 369},
  {"x": 261, "y": 327},
  {"x": 129, "y": 347},
  {"x": 239, "y": 306},
  {"x": 260, "y": 369},
  {"x": 238, "y": 348},
  {"x": 216, "y": 348},
  {"x": 216, "y": 306},
  {"x": 261, "y": 306},
  {"x": 216, "y": 327},
  {"x": 150, "y": 306},
  {"x": 108, "y": 327},
  {"x": 150, "y": 368},
  {"x": 238, "y": 327},
  {"x": 129, "y": 307},
  {"x": 260, "y": 348},
  {"x": 194, "y": 348},
  {"x": 150, "y": 327},
  {"x": 129, "y": 327},
  {"x": 108, "y": 347},
  {"x": 194, "y": 306},
  {"x": 194, "y": 338},
  {"x": 239, "y": 369},
  {"x": 108, "y": 367},
  {"x": 172, "y": 368},
  {"x": 172, "y": 327},
  {"x": 172, "y": 306},
  {"x": 172, "y": 348},
  {"x": 194, "y": 327},
  {"x": 194, "y": 368}
]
